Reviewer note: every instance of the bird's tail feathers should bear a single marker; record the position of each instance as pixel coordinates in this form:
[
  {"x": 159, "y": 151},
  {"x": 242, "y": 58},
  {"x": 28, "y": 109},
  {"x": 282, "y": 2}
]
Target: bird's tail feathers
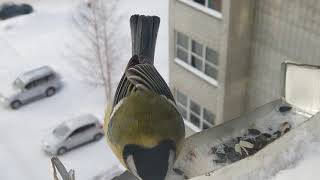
[{"x": 144, "y": 30}]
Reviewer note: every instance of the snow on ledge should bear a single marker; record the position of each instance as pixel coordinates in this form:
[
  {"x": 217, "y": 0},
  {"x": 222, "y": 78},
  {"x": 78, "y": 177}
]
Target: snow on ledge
[
  {"x": 191, "y": 126},
  {"x": 196, "y": 72},
  {"x": 202, "y": 8}
]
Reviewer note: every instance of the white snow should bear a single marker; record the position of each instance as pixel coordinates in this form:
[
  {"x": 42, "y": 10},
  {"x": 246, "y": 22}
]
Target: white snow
[
  {"x": 31, "y": 41},
  {"x": 41, "y": 38},
  {"x": 305, "y": 167}
]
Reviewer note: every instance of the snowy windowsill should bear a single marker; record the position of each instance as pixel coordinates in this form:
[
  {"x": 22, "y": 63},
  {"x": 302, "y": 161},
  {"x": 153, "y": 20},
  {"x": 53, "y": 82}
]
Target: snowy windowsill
[
  {"x": 202, "y": 8},
  {"x": 191, "y": 126},
  {"x": 196, "y": 72}
]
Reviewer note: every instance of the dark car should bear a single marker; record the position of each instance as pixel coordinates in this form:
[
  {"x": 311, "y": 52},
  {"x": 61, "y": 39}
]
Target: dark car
[{"x": 9, "y": 10}]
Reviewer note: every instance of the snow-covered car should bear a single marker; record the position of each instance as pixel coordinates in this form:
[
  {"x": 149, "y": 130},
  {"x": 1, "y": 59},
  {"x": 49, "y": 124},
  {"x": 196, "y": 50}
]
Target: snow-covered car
[
  {"x": 32, "y": 85},
  {"x": 9, "y": 10},
  {"x": 73, "y": 133}
]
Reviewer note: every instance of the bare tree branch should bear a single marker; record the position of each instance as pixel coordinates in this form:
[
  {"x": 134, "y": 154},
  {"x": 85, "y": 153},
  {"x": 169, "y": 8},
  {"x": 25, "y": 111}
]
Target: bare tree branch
[{"x": 97, "y": 26}]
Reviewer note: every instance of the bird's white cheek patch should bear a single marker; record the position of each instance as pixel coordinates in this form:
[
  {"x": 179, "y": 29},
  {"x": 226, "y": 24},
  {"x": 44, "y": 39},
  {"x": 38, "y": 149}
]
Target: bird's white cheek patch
[
  {"x": 170, "y": 162},
  {"x": 131, "y": 165}
]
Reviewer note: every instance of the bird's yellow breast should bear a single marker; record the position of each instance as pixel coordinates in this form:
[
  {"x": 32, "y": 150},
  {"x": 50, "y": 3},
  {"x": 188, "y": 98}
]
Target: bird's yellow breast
[{"x": 144, "y": 118}]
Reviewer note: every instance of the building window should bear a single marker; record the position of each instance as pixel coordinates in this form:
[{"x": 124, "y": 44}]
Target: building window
[
  {"x": 199, "y": 56},
  {"x": 212, "y": 4},
  {"x": 182, "y": 47},
  {"x": 183, "y": 103},
  {"x": 208, "y": 116},
  {"x": 203, "y": 2},
  {"x": 192, "y": 112}
]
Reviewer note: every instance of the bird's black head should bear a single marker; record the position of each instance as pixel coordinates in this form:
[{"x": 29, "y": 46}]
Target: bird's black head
[{"x": 150, "y": 163}]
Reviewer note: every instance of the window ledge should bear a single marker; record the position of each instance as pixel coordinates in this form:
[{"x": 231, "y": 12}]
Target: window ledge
[
  {"x": 192, "y": 126},
  {"x": 202, "y": 8},
  {"x": 196, "y": 72}
]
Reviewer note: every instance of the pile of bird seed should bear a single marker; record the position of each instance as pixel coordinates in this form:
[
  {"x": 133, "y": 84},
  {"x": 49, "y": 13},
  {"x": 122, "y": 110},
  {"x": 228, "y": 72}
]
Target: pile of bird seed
[{"x": 249, "y": 143}]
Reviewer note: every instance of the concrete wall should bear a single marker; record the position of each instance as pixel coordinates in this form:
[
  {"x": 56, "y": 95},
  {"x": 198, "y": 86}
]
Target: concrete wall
[
  {"x": 240, "y": 19},
  {"x": 283, "y": 30},
  {"x": 231, "y": 36},
  {"x": 191, "y": 22},
  {"x": 253, "y": 38}
]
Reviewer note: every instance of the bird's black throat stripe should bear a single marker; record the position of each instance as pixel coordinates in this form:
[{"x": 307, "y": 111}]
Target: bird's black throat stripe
[{"x": 151, "y": 163}]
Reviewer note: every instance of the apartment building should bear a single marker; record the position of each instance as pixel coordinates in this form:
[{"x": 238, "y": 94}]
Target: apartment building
[{"x": 226, "y": 55}]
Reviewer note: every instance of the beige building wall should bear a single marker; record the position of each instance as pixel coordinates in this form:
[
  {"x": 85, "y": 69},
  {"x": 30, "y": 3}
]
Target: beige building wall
[
  {"x": 253, "y": 38},
  {"x": 190, "y": 21},
  {"x": 231, "y": 37},
  {"x": 239, "y": 20},
  {"x": 286, "y": 30}
]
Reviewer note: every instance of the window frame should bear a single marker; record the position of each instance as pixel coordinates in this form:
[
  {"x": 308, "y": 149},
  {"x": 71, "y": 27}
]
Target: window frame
[
  {"x": 41, "y": 81},
  {"x": 81, "y": 129},
  {"x": 200, "y": 116},
  {"x": 206, "y": 4},
  {"x": 74, "y": 132},
  {"x": 30, "y": 85},
  {"x": 203, "y": 58},
  {"x": 212, "y": 12}
]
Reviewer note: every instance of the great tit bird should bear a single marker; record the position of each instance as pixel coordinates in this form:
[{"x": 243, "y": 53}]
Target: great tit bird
[{"x": 144, "y": 129}]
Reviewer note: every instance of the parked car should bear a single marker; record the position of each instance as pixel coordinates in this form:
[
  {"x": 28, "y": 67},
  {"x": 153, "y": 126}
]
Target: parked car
[
  {"x": 73, "y": 133},
  {"x": 9, "y": 10},
  {"x": 32, "y": 85}
]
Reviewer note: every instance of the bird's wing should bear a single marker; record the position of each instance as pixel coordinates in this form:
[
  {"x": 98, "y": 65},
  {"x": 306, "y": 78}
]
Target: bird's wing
[
  {"x": 146, "y": 77},
  {"x": 141, "y": 77},
  {"x": 125, "y": 87}
]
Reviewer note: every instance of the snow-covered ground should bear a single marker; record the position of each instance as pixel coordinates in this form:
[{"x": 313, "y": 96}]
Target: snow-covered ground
[
  {"x": 27, "y": 42},
  {"x": 41, "y": 38}
]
